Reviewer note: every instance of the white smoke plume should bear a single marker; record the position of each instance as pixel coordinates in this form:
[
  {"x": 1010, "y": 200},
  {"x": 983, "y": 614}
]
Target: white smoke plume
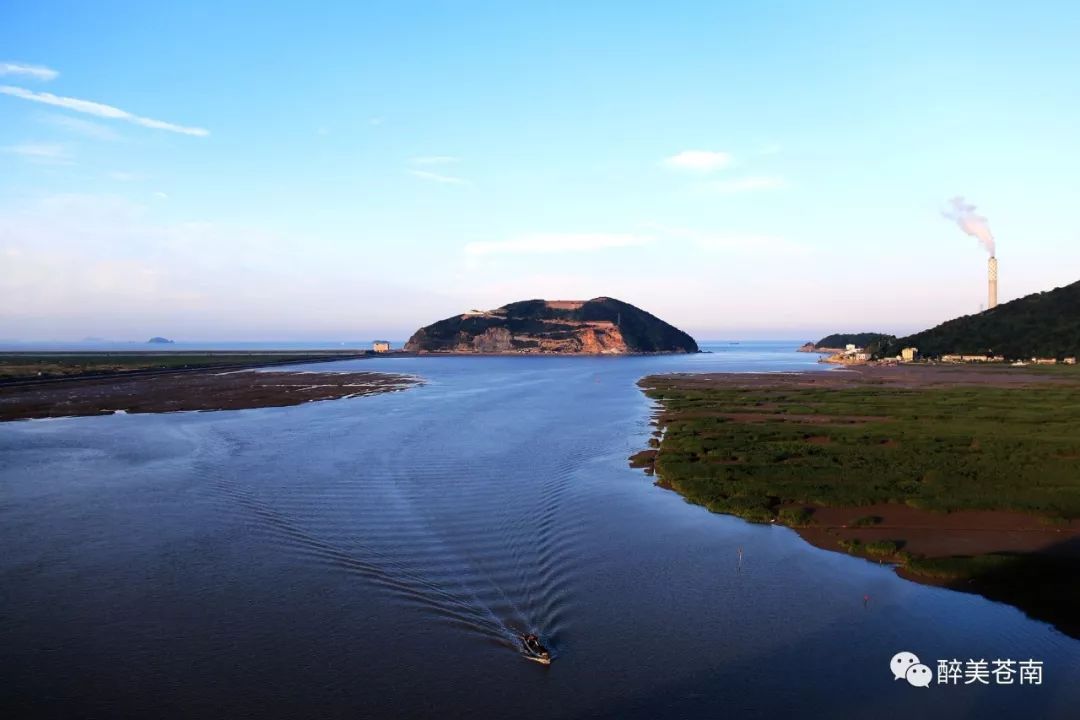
[{"x": 964, "y": 215}]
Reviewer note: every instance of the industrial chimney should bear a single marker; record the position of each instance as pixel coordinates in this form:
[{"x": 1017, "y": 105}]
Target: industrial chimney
[{"x": 992, "y": 280}]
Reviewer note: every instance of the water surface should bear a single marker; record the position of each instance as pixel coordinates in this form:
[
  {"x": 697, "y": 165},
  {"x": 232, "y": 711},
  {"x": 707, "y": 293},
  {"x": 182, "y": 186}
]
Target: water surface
[{"x": 375, "y": 557}]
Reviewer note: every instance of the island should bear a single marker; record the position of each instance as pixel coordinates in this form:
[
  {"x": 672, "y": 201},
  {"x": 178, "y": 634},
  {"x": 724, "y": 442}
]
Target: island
[
  {"x": 158, "y": 340},
  {"x": 838, "y": 342},
  {"x": 601, "y": 326}
]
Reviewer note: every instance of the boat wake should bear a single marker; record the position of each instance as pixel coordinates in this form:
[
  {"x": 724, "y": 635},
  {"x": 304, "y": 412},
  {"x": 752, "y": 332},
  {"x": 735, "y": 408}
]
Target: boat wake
[{"x": 452, "y": 535}]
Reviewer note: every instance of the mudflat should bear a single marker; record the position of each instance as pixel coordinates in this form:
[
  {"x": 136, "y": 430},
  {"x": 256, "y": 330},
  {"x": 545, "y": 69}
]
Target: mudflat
[
  {"x": 188, "y": 391},
  {"x": 32, "y": 366},
  {"x": 967, "y": 477}
]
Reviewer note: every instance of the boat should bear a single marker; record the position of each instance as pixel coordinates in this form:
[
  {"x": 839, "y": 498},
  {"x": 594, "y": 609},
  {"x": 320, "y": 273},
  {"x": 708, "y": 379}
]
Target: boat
[{"x": 534, "y": 650}]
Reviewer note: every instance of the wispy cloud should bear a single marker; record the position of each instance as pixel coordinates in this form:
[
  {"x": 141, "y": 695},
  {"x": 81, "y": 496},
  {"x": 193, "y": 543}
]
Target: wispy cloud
[
  {"x": 37, "y": 72},
  {"x": 99, "y": 109},
  {"x": 40, "y": 152},
  {"x": 552, "y": 243},
  {"x": 702, "y": 161},
  {"x": 433, "y": 160},
  {"x": 79, "y": 126},
  {"x": 747, "y": 184},
  {"x": 439, "y": 178}
]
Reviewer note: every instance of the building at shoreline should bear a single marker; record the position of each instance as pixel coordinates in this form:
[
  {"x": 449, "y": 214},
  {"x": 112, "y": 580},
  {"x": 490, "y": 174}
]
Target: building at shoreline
[
  {"x": 971, "y": 358},
  {"x": 381, "y": 346}
]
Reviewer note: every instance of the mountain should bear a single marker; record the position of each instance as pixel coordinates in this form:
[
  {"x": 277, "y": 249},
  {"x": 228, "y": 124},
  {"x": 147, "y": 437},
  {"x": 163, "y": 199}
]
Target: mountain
[
  {"x": 1045, "y": 324},
  {"x": 598, "y": 326},
  {"x": 160, "y": 341}
]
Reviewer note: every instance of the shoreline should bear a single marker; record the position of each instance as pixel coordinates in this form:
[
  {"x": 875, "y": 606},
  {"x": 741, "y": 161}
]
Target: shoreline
[
  {"x": 530, "y": 353},
  {"x": 23, "y": 368},
  {"x": 1028, "y": 559},
  {"x": 193, "y": 390}
]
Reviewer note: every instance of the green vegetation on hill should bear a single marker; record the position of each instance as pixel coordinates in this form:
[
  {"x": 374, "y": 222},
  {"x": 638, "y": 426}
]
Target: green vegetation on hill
[
  {"x": 642, "y": 331},
  {"x": 1045, "y": 324},
  {"x": 599, "y": 325},
  {"x": 863, "y": 339}
]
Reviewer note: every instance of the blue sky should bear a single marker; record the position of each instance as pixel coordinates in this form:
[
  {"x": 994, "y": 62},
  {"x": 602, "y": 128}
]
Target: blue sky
[{"x": 275, "y": 171}]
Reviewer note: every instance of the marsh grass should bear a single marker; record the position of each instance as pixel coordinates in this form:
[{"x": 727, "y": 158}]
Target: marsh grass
[
  {"x": 772, "y": 454},
  {"x": 748, "y": 451}
]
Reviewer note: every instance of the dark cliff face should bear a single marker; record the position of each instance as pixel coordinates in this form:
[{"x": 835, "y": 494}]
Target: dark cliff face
[{"x": 598, "y": 326}]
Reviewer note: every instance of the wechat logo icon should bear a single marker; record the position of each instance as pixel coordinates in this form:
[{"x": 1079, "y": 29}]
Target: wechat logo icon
[{"x": 906, "y": 666}]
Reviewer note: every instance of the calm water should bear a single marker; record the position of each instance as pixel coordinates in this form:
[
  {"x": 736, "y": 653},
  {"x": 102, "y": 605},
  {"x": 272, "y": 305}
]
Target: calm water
[{"x": 374, "y": 557}]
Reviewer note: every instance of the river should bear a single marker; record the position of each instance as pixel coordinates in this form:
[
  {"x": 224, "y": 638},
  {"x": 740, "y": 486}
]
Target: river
[{"x": 375, "y": 557}]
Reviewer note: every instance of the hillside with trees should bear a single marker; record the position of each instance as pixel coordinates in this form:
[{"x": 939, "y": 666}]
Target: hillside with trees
[
  {"x": 1045, "y": 324},
  {"x": 864, "y": 339}
]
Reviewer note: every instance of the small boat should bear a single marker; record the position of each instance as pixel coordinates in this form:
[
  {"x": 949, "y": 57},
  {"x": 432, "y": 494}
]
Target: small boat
[{"x": 534, "y": 651}]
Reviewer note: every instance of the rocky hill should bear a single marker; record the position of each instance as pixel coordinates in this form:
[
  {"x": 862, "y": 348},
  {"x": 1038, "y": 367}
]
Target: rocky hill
[
  {"x": 1045, "y": 324},
  {"x": 598, "y": 326}
]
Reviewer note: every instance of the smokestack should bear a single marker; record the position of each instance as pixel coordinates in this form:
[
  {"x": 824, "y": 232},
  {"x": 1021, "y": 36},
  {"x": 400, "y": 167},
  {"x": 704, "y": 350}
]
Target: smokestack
[
  {"x": 963, "y": 214},
  {"x": 992, "y": 280}
]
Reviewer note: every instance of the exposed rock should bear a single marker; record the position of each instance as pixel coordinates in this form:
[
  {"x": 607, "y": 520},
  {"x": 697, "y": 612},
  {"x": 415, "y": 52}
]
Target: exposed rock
[
  {"x": 598, "y": 326},
  {"x": 493, "y": 340}
]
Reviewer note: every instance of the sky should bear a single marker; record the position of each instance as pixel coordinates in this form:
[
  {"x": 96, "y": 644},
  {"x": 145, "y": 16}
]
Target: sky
[{"x": 333, "y": 170}]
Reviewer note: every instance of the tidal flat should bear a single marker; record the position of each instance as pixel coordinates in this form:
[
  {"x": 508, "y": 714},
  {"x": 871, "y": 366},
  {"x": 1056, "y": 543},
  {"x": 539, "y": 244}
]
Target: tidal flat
[
  {"x": 34, "y": 366},
  {"x": 203, "y": 390},
  {"x": 965, "y": 478}
]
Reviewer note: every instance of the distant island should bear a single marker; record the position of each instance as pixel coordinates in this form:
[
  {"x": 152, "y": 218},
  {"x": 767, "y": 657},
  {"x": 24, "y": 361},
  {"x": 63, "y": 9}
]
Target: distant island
[
  {"x": 599, "y": 326},
  {"x": 839, "y": 341},
  {"x": 157, "y": 340}
]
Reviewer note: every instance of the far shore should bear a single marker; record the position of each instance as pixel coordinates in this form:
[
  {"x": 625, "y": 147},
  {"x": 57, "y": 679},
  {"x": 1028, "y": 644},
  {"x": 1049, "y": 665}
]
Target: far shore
[
  {"x": 194, "y": 390},
  {"x": 26, "y": 367}
]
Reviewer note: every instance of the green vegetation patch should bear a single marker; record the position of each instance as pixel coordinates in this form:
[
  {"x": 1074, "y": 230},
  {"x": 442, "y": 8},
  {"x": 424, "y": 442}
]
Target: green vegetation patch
[
  {"x": 863, "y": 339},
  {"x": 748, "y": 451},
  {"x": 796, "y": 516}
]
